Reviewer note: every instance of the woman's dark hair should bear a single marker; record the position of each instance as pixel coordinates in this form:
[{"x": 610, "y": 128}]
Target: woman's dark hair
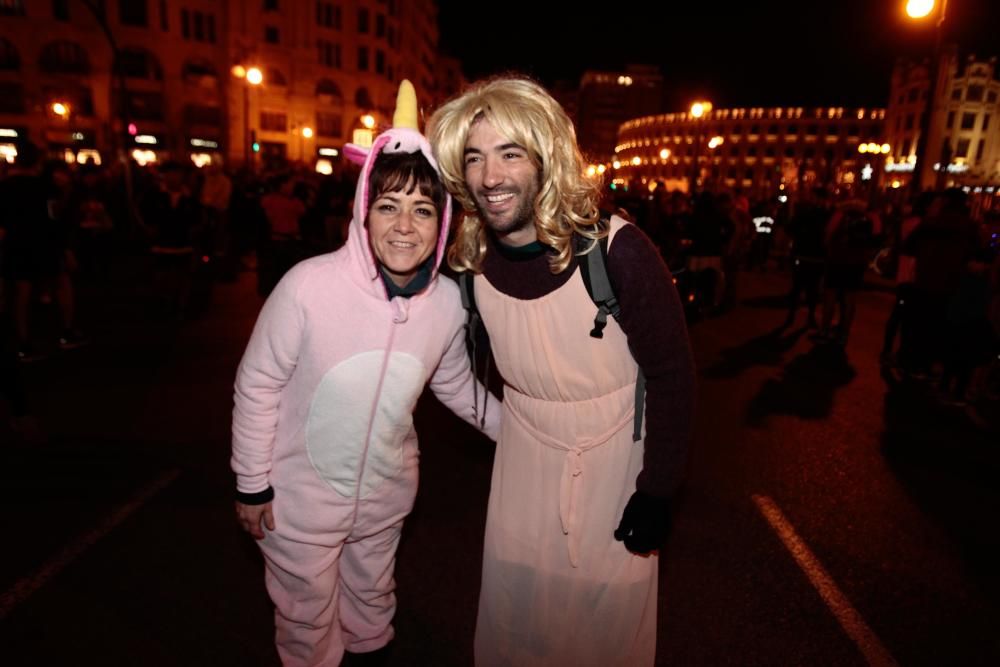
[{"x": 394, "y": 172}]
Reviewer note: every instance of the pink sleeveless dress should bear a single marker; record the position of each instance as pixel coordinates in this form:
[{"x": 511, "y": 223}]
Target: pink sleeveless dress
[{"x": 557, "y": 588}]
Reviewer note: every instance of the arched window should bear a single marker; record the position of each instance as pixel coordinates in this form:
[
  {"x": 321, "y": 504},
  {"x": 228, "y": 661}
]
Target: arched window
[
  {"x": 139, "y": 64},
  {"x": 64, "y": 58},
  {"x": 275, "y": 78},
  {"x": 327, "y": 88},
  {"x": 9, "y": 59},
  {"x": 363, "y": 99}
]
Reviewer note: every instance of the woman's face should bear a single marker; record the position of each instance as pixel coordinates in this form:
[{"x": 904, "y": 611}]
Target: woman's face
[{"x": 403, "y": 231}]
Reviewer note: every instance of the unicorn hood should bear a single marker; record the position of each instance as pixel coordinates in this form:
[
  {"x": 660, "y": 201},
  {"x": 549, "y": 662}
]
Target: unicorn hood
[{"x": 403, "y": 137}]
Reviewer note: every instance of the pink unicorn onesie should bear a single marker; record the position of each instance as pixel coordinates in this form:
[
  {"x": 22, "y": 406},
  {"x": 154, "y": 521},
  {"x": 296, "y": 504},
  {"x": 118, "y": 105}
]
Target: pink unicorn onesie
[{"x": 324, "y": 449}]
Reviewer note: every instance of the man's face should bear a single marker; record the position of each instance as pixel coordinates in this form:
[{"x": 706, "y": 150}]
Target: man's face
[{"x": 503, "y": 182}]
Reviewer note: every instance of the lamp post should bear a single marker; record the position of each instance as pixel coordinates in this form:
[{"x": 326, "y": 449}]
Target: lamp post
[
  {"x": 713, "y": 168},
  {"x": 919, "y": 9},
  {"x": 251, "y": 76},
  {"x": 120, "y": 141},
  {"x": 306, "y": 133},
  {"x": 698, "y": 111}
]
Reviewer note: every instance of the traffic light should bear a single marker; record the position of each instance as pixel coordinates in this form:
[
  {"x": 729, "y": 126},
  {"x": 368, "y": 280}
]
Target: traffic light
[{"x": 254, "y": 146}]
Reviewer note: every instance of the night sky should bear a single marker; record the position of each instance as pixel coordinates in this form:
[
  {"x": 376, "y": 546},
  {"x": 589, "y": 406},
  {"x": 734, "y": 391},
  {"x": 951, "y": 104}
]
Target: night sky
[{"x": 746, "y": 54}]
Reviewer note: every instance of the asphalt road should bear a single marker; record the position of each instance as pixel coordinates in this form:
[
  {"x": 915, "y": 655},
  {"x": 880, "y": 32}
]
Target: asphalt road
[{"x": 827, "y": 519}]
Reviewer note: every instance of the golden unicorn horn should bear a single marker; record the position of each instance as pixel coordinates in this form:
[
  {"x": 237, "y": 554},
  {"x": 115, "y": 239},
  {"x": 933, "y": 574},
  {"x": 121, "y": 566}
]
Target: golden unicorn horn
[{"x": 406, "y": 106}]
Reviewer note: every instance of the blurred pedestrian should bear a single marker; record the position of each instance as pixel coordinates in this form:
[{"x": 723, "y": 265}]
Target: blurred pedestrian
[
  {"x": 37, "y": 259},
  {"x": 850, "y": 241},
  {"x": 807, "y": 231},
  {"x": 901, "y": 316}
]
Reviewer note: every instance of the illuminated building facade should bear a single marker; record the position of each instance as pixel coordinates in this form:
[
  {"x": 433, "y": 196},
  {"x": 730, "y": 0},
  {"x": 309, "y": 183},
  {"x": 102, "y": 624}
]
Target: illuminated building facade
[
  {"x": 758, "y": 150},
  {"x": 325, "y": 64},
  {"x": 605, "y": 100},
  {"x": 964, "y": 130}
]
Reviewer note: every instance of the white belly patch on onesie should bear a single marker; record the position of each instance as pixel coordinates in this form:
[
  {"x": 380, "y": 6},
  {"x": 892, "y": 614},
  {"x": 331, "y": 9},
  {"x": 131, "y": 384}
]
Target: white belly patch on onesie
[{"x": 339, "y": 419}]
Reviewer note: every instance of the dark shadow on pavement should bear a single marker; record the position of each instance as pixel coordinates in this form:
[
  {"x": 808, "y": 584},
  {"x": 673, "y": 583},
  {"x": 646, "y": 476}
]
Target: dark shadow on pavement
[
  {"x": 805, "y": 388},
  {"x": 770, "y": 301},
  {"x": 949, "y": 466},
  {"x": 766, "y": 350}
]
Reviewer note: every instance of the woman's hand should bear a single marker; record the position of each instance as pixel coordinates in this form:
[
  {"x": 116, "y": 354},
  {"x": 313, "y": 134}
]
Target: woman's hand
[{"x": 250, "y": 517}]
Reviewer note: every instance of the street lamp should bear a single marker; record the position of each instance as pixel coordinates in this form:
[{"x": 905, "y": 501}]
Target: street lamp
[
  {"x": 60, "y": 109},
  {"x": 919, "y": 9},
  {"x": 251, "y": 76},
  {"x": 306, "y": 133},
  {"x": 698, "y": 111}
]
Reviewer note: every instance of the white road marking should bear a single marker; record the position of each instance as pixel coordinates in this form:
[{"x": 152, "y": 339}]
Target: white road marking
[
  {"x": 24, "y": 587},
  {"x": 848, "y": 617}
]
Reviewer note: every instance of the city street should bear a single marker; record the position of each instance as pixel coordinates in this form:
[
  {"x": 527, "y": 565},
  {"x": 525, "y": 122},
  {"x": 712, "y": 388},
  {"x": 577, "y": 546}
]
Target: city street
[{"x": 826, "y": 519}]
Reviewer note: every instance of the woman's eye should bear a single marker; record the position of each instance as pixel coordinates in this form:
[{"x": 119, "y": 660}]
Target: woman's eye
[
  {"x": 386, "y": 208},
  {"x": 426, "y": 212}
]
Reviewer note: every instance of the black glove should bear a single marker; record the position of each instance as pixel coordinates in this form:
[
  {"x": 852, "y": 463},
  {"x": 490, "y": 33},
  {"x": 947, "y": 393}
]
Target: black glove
[{"x": 645, "y": 523}]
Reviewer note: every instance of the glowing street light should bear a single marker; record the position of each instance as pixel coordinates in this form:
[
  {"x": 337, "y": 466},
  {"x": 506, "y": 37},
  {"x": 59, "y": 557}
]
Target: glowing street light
[
  {"x": 715, "y": 142},
  {"x": 699, "y": 109},
  {"x": 254, "y": 76},
  {"x": 664, "y": 153},
  {"x": 368, "y": 121},
  {"x": 918, "y": 9},
  {"x": 239, "y": 71},
  {"x": 60, "y": 109},
  {"x": 307, "y": 132}
]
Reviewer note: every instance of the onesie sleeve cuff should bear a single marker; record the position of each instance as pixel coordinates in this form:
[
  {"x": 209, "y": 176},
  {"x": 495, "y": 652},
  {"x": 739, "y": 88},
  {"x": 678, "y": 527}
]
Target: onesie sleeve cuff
[{"x": 258, "y": 498}]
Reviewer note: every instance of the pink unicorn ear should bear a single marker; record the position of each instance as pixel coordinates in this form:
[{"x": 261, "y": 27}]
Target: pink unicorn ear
[{"x": 356, "y": 154}]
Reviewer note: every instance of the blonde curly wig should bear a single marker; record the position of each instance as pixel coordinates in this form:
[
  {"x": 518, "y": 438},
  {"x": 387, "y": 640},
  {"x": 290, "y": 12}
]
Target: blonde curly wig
[{"x": 525, "y": 113}]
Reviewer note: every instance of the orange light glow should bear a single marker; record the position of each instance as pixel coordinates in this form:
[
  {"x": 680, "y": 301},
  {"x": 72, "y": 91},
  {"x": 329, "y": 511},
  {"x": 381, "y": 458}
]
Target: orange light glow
[
  {"x": 699, "y": 109},
  {"x": 918, "y": 9}
]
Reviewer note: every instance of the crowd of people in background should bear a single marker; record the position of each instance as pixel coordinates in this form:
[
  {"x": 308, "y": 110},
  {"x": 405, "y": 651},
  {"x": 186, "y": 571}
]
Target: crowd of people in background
[
  {"x": 939, "y": 254},
  {"x": 62, "y": 225}
]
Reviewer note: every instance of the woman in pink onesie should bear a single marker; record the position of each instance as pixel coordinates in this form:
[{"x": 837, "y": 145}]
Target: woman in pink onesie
[{"x": 324, "y": 449}]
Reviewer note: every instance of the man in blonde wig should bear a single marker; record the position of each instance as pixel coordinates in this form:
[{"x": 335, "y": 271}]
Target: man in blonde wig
[{"x": 577, "y": 509}]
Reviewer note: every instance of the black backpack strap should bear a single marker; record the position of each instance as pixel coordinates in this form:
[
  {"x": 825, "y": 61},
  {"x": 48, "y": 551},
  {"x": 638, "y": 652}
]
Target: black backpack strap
[
  {"x": 468, "y": 292},
  {"x": 594, "y": 271},
  {"x": 473, "y": 324}
]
